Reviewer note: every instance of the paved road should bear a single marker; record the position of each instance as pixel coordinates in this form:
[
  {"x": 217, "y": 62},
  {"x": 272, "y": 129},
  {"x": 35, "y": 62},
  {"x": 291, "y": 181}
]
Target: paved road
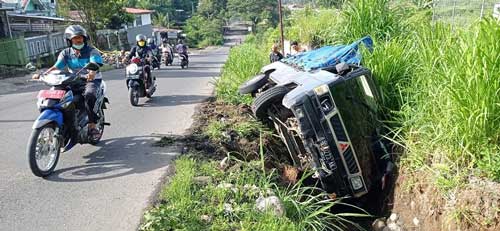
[{"x": 108, "y": 186}]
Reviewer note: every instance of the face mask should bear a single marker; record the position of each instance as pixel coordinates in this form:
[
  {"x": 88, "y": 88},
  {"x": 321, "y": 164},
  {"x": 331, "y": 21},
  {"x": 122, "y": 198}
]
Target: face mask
[
  {"x": 78, "y": 47},
  {"x": 141, "y": 43}
]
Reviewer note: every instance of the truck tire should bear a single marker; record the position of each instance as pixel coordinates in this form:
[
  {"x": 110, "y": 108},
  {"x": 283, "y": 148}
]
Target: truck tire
[
  {"x": 265, "y": 100},
  {"x": 253, "y": 84}
]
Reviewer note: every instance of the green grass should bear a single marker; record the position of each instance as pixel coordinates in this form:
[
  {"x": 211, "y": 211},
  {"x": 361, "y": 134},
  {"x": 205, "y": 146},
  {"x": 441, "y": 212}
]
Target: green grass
[
  {"x": 438, "y": 87},
  {"x": 452, "y": 106},
  {"x": 244, "y": 62},
  {"x": 215, "y": 130},
  {"x": 244, "y": 127},
  {"x": 369, "y": 17},
  {"x": 314, "y": 27},
  {"x": 190, "y": 205}
]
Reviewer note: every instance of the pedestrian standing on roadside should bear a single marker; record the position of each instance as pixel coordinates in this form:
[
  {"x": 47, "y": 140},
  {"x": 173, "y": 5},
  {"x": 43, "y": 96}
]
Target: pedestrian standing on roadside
[
  {"x": 296, "y": 48},
  {"x": 275, "y": 54}
]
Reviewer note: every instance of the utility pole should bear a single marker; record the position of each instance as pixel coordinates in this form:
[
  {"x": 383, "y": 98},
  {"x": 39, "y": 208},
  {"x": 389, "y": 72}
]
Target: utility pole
[{"x": 281, "y": 28}]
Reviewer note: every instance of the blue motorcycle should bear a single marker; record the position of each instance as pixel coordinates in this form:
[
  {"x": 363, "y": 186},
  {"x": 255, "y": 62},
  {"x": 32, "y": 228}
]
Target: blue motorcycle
[{"x": 62, "y": 118}]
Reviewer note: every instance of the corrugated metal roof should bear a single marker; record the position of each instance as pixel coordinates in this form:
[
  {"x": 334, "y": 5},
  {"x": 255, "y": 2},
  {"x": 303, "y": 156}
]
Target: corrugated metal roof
[
  {"x": 138, "y": 11},
  {"x": 39, "y": 17}
]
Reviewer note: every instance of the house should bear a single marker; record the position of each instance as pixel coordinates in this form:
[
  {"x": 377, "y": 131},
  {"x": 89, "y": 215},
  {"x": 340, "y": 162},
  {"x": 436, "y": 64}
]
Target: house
[
  {"x": 141, "y": 24},
  {"x": 33, "y": 27},
  {"x": 33, "y": 17},
  {"x": 4, "y": 23},
  {"x": 32, "y": 7}
]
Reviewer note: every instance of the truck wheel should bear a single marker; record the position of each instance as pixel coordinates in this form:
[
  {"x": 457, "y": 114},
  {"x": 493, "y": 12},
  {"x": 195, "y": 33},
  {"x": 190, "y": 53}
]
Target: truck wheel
[
  {"x": 264, "y": 101},
  {"x": 253, "y": 84}
]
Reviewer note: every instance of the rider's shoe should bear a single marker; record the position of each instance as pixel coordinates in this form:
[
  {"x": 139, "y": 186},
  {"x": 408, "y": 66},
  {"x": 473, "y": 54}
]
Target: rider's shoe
[
  {"x": 70, "y": 145},
  {"x": 94, "y": 133}
]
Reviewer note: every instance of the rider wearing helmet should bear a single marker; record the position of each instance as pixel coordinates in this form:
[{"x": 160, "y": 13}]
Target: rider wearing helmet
[
  {"x": 155, "y": 50},
  {"x": 151, "y": 44},
  {"x": 141, "y": 51},
  {"x": 78, "y": 54},
  {"x": 181, "y": 48}
]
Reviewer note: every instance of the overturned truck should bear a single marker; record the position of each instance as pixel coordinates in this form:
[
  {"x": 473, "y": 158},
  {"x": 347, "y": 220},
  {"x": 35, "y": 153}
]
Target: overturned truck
[{"x": 327, "y": 114}]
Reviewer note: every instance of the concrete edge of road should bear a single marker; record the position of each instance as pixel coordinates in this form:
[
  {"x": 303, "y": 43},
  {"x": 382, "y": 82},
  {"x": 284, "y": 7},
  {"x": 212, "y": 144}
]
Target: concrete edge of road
[{"x": 154, "y": 198}]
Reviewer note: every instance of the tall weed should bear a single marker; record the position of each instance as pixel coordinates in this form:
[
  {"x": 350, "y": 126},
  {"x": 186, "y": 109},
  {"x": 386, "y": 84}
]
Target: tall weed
[
  {"x": 369, "y": 17},
  {"x": 455, "y": 97},
  {"x": 314, "y": 27},
  {"x": 244, "y": 62}
]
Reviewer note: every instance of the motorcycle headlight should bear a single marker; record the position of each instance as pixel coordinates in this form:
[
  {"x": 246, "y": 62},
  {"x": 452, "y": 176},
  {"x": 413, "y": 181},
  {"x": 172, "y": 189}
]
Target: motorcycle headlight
[{"x": 132, "y": 69}]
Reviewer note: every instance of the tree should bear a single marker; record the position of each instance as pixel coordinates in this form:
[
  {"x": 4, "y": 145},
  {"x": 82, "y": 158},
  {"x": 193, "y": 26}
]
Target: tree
[
  {"x": 254, "y": 10},
  {"x": 212, "y": 8},
  {"x": 330, "y": 3},
  {"x": 161, "y": 19},
  {"x": 99, "y": 14}
]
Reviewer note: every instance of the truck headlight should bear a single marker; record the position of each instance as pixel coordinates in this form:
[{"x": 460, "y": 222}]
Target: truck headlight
[{"x": 321, "y": 90}]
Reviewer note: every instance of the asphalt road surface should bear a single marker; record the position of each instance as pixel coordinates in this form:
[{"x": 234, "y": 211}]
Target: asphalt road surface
[{"x": 108, "y": 186}]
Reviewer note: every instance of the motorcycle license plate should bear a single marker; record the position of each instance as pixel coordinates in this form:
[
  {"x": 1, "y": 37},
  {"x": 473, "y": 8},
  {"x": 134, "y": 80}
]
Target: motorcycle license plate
[{"x": 51, "y": 94}]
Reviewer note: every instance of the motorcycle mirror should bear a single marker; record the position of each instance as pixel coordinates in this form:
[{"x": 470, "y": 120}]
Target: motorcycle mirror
[{"x": 92, "y": 66}]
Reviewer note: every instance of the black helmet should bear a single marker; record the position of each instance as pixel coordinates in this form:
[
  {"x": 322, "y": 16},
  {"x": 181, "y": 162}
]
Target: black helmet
[{"x": 73, "y": 31}]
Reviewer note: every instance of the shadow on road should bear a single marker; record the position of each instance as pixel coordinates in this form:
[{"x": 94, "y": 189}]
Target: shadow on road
[
  {"x": 205, "y": 67},
  {"x": 116, "y": 158},
  {"x": 208, "y": 62},
  {"x": 186, "y": 73},
  {"x": 174, "y": 100},
  {"x": 17, "y": 121}
]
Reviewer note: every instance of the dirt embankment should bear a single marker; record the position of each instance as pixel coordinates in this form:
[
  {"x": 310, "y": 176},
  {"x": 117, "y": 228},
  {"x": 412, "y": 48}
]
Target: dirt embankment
[{"x": 420, "y": 205}]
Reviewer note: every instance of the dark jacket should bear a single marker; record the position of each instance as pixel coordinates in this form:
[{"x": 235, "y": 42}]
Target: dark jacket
[
  {"x": 140, "y": 52},
  {"x": 275, "y": 56}
]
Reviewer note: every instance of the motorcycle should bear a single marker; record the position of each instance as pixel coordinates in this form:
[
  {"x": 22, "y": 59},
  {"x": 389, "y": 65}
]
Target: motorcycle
[
  {"x": 168, "y": 58},
  {"x": 53, "y": 129},
  {"x": 137, "y": 83},
  {"x": 184, "y": 60},
  {"x": 156, "y": 60}
]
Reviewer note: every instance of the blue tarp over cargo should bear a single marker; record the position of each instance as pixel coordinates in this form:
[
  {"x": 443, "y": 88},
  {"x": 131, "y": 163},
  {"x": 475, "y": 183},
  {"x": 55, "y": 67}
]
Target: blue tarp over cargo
[{"x": 329, "y": 55}]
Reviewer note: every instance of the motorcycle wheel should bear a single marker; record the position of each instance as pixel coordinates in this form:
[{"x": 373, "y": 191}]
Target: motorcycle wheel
[
  {"x": 43, "y": 150},
  {"x": 133, "y": 96},
  {"x": 100, "y": 127}
]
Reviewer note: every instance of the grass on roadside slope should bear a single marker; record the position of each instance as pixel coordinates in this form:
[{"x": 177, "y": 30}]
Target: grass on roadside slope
[
  {"x": 243, "y": 62},
  {"x": 225, "y": 200},
  {"x": 452, "y": 115}
]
